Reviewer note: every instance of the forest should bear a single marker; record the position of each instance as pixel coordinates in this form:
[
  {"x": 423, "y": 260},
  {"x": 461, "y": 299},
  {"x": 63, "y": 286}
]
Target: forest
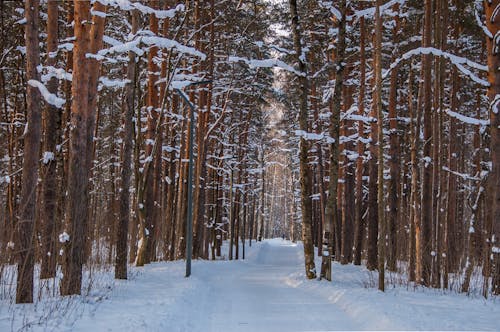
[{"x": 135, "y": 132}]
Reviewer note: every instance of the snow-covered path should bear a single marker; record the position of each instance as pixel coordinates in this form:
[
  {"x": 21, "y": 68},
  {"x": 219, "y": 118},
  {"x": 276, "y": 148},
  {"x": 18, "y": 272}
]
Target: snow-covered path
[
  {"x": 265, "y": 292},
  {"x": 256, "y": 294},
  {"x": 268, "y": 292},
  {"x": 257, "y": 297}
]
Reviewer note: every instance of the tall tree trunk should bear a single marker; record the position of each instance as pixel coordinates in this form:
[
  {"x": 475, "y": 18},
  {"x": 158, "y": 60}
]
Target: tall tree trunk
[
  {"x": 414, "y": 243},
  {"x": 348, "y": 204},
  {"x": 48, "y": 213},
  {"x": 451, "y": 187},
  {"x": 493, "y": 47},
  {"x": 152, "y": 140},
  {"x": 126, "y": 168},
  {"x": 372, "y": 239},
  {"x": 73, "y": 237},
  {"x": 25, "y": 224},
  {"x": 96, "y": 41},
  {"x": 377, "y": 101},
  {"x": 427, "y": 213},
  {"x": 394, "y": 160},
  {"x": 331, "y": 213},
  {"x": 305, "y": 183},
  {"x": 359, "y": 228}
]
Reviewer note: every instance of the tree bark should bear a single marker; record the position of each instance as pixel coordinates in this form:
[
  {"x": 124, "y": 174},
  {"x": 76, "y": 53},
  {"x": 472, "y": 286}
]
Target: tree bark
[
  {"x": 126, "y": 168},
  {"x": 427, "y": 213},
  {"x": 77, "y": 209},
  {"x": 359, "y": 224},
  {"x": 25, "y": 224},
  {"x": 48, "y": 213},
  {"x": 394, "y": 160},
  {"x": 493, "y": 48},
  {"x": 377, "y": 101},
  {"x": 305, "y": 184}
]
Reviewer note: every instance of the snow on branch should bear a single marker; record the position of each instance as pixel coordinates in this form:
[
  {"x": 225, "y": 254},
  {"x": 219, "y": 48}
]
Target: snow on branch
[
  {"x": 478, "y": 20},
  {"x": 462, "y": 175},
  {"x": 169, "y": 44},
  {"x": 109, "y": 83},
  {"x": 328, "y": 5},
  {"x": 350, "y": 115},
  {"x": 266, "y": 63},
  {"x": 122, "y": 48},
  {"x": 50, "y": 98},
  {"x": 309, "y": 136},
  {"x": 59, "y": 73},
  {"x": 111, "y": 41},
  {"x": 160, "y": 42},
  {"x": 129, "y": 5},
  {"x": 495, "y": 104},
  {"x": 158, "y": 13},
  {"x": 370, "y": 12},
  {"x": 458, "y": 61},
  {"x": 466, "y": 119}
]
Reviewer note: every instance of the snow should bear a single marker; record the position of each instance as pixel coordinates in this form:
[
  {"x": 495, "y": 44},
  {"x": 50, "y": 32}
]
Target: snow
[
  {"x": 267, "y": 291},
  {"x": 59, "y": 73},
  {"x": 309, "y": 136},
  {"x": 480, "y": 23},
  {"x": 97, "y": 13},
  {"x": 169, "y": 44},
  {"x": 495, "y": 104},
  {"x": 63, "y": 237},
  {"x": 50, "y": 98},
  {"x": 128, "y": 6},
  {"x": 266, "y": 63},
  {"x": 122, "y": 48},
  {"x": 458, "y": 61},
  {"x": 48, "y": 156},
  {"x": 370, "y": 12},
  {"x": 109, "y": 83},
  {"x": 466, "y": 119}
]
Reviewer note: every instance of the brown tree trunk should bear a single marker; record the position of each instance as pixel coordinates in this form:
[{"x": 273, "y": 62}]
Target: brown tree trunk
[
  {"x": 359, "y": 224},
  {"x": 348, "y": 204},
  {"x": 377, "y": 102},
  {"x": 373, "y": 222},
  {"x": 25, "y": 224},
  {"x": 427, "y": 213},
  {"x": 394, "y": 160},
  {"x": 493, "y": 24},
  {"x": 96, "y": 37},
  {"x": 451, "y": 187},
  {"x": 48, "y": 213},
  {"x": 305, "y": 183},
  {"x": 126, "y": 167},
  {"x": 331, "y": 214},
  {"x": 78, "y": 168},
  {"x": 152, "y": 140},
  {"x": 414, "y": 243}
]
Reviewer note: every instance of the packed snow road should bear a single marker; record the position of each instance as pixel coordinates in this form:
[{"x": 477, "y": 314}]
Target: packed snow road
[
  {"x": 252, "y": 295},
  {"x": 268, "y": 292},
  {"x": 259, "y": 297}
]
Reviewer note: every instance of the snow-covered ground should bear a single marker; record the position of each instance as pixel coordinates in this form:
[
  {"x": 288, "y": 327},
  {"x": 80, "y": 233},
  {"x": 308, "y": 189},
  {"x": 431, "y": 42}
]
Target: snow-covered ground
[{"x": 265, "y": 292}]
